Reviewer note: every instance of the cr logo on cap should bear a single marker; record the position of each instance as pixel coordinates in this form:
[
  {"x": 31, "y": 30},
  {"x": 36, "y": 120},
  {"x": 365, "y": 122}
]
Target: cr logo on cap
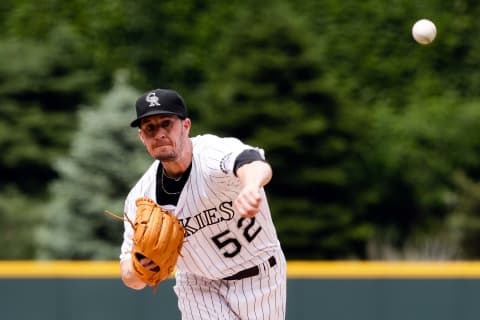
[{"x": 152, "y": 99}]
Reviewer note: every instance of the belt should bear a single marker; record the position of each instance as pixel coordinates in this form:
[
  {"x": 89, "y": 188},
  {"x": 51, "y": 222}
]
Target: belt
[{"x": 250, "y": 272}]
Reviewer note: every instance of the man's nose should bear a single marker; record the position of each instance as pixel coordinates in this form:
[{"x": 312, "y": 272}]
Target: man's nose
[{"x": 160, "y": 132}]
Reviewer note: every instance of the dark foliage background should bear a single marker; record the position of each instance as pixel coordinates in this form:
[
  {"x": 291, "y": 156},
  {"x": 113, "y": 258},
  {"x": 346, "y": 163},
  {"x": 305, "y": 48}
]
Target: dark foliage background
[{"x": 372, "y": 137}]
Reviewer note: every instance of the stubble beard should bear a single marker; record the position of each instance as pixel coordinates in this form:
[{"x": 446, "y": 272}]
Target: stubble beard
[
  {"x": 176, "y": 153},
  {"x": 172, "y": 155},
  {"x": 167, "y": 157}
]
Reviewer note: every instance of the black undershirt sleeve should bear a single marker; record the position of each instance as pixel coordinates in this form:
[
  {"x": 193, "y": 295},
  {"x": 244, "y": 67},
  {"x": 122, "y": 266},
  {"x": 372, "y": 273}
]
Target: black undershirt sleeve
[{"x": 245, "y": 157}]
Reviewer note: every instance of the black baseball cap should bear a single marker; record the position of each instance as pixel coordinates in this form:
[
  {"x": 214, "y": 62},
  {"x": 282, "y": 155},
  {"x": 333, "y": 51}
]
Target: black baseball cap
[{"x": 159, "y": 101}]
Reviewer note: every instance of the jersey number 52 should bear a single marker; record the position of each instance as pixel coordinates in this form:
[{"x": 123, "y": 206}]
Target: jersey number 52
[{"x": 223, "y": 239}]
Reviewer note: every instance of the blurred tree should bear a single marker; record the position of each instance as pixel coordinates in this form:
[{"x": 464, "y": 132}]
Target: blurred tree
[
  {"x": 266, "y": 86},
  {"x": 104, "y": 161},
  {"x": 41, "y": 86},
  {"x": 160, "y": 43},
  {"x": 19, "y": 215},
  {"x": 39, "y": 94},
  {"x": 410, "y": 163},
  {"x": 463, "y": 223}
]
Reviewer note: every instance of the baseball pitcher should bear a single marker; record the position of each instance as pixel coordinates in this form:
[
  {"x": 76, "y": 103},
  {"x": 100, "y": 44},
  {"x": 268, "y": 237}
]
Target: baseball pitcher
[{"x": 229, "y": 262}]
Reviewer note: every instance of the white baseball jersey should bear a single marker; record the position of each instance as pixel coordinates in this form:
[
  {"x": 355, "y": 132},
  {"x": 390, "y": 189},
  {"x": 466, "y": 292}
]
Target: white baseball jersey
[{"x": 219, "y": 242}]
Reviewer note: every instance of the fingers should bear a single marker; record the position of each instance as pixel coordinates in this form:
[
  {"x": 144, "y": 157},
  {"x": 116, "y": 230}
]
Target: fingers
[
  {"x": 147, "y": 263},
  {"x": 247, "y": 202}
]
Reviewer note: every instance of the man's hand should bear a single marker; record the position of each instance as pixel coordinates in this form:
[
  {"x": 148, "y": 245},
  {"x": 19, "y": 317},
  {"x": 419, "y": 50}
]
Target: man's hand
[
  {"x": 128, "y": 276},
  {"x": 253, "y": 176},
  {"x": 147, "y": 263},
  {"x": 248, "y": 201}
]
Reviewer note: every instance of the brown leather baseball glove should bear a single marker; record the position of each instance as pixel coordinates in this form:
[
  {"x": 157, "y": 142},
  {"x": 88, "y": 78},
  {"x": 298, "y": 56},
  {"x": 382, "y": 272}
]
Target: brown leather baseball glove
[{"x": 158, "y": 236}]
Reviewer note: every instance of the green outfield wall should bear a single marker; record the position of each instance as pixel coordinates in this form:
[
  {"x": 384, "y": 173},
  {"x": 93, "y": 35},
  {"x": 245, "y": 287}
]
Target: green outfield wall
[{"x": 316, "y": 290}]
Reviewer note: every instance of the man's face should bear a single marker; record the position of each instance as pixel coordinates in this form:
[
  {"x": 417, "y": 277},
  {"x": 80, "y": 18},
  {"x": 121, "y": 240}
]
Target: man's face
[{"x": 164, "y": 136}]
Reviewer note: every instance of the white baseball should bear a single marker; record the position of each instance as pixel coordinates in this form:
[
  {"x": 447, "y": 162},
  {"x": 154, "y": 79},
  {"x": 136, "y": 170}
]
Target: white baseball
[{"x": 424, "y": 31}]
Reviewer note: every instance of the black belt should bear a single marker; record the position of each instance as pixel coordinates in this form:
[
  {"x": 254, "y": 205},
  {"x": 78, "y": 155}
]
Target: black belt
[{"x": 250, "y": 272}]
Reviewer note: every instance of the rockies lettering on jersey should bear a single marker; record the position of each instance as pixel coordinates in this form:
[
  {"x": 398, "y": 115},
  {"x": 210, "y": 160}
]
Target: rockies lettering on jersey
[{"x": 224, "y": 212}]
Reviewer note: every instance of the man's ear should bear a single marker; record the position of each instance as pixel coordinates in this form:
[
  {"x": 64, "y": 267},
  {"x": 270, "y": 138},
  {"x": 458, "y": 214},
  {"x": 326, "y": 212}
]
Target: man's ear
[{"x": 187, "y": 124}]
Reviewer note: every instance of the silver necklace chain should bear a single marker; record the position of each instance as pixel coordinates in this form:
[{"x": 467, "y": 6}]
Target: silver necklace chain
[{"x": 164, "y": 174}]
